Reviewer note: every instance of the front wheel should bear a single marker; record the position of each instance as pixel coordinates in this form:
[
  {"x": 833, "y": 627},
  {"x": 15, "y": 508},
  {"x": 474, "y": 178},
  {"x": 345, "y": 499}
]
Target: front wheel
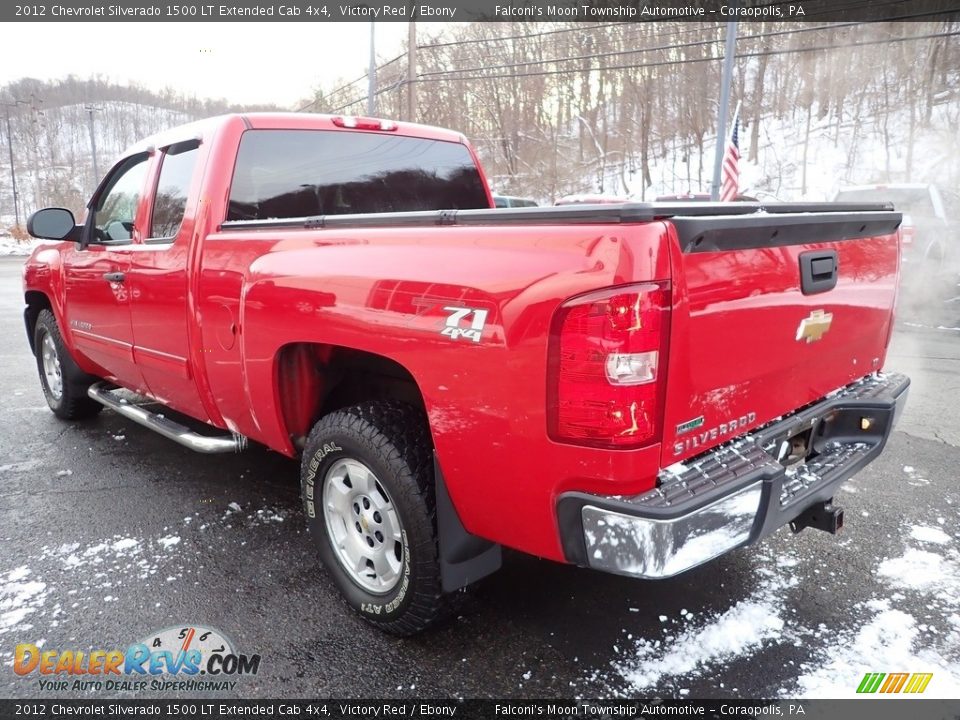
[
  {"x": 367, "y": 481},
  {"x": 64, "y": 384}
]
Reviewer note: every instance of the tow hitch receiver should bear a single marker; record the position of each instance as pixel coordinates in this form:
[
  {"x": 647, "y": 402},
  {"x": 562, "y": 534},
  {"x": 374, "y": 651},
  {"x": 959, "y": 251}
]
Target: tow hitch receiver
[{"x": 822, "y": 516}]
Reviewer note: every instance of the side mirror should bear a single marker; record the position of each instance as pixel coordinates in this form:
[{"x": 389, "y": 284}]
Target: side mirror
[{"x": 52, "y": 224}]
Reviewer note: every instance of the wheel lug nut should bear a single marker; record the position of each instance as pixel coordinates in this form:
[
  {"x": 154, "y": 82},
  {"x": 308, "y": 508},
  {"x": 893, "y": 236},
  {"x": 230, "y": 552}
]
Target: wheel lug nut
[
  {"x": 376, "y": 517},
  {"x": 366, "y": 504},
  {"x": 359, "y": 529},
  {"x": 369, "y": 541},
  {"x": 356, "y": 508},
  {"x": 379, "y": 536}
]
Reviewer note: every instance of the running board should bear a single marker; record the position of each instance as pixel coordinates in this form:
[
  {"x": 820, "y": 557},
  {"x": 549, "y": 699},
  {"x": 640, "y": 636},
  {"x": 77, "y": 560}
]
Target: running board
[{"x": 103, "y": 394}]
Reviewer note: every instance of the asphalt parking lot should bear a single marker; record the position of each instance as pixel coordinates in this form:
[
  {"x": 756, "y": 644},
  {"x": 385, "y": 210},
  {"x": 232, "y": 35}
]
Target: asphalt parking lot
[{"x": 109, "y": 532}]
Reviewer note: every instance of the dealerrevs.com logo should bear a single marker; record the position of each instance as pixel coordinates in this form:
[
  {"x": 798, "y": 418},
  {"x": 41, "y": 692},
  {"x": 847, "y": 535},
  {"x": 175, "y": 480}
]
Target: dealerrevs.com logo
[{"x": 190, "y": 658}]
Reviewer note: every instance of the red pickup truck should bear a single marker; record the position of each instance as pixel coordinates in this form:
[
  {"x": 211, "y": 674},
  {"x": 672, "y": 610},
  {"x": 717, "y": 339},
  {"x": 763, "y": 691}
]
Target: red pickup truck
[{"x": 637, "y": 388}]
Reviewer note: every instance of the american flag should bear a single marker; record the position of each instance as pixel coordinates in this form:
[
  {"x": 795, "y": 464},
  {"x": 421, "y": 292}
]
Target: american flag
[{"x": 730, "y": 173}]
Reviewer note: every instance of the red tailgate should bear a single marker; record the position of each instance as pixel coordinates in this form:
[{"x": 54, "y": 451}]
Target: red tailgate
[{"x": 747, "y": 343}]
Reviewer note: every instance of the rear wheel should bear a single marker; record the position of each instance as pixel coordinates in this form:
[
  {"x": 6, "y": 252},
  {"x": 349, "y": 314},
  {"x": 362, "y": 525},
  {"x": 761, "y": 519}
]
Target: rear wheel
[
  {"x": 64, "y": 384},
  {"x": 367, "y": 480}
]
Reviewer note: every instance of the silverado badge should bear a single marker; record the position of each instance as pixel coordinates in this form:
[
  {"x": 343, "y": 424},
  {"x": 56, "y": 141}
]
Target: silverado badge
[{"x": 815, "y": 326}]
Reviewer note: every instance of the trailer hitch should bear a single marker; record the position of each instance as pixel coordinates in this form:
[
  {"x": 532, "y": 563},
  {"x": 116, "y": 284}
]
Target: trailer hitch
[{"x": 822, "y": 516}]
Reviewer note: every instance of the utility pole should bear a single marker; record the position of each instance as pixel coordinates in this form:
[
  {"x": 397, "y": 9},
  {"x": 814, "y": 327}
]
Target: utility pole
[
  {"x": 412, "y": 71},
  {"x": 13, "y": 172},
  {"x": 93, "y": 144},
  {"x": 372, "y": 77},
  {"x": 725, "y": 81}
]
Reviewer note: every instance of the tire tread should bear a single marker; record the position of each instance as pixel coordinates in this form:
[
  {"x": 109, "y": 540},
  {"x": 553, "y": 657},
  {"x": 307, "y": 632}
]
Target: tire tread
[
  {"x": 399, "y": 433},
  {"x": 74, "y": 403}
]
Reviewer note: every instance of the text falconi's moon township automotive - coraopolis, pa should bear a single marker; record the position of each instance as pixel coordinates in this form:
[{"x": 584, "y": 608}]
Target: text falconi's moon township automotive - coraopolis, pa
[{"x": 587, "y": 12}]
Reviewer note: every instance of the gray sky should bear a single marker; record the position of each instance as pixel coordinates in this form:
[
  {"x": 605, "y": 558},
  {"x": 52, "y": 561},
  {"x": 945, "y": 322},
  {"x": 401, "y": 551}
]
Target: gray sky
[{"x": 278, "y": 62}]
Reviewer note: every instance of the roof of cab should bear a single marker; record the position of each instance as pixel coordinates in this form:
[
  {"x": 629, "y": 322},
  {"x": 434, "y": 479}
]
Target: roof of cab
[{"x": 283, "y": 121}]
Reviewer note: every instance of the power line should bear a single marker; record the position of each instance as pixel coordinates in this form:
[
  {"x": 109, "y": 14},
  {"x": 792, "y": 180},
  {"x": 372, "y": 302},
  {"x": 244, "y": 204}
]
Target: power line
[
  {"x": 670, "y": 46},
  {"x": 767, "y": 53},
  {"x": 352, "y": 82},
  {"x": 498, "y": 38},
  {"x": 456, "y": 74}
]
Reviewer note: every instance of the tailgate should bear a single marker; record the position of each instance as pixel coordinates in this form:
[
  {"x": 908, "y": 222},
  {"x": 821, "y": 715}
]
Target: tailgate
[{"x": 772, "y": 311}]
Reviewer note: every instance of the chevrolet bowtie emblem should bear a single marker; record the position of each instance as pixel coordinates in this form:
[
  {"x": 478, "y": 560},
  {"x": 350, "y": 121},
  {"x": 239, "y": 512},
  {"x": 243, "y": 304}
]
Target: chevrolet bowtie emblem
[{"x": 815, "y": 326}]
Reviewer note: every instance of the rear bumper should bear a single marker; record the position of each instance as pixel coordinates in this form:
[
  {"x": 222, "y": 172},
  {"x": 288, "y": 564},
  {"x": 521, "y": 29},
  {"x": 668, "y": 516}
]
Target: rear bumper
[{"x": 736, "y": 494}]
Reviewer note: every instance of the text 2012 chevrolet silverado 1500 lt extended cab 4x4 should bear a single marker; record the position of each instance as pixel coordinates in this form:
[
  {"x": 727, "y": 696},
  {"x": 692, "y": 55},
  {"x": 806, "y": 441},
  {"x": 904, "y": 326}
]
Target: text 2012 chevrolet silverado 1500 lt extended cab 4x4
[{"x": 637, "y": 388}]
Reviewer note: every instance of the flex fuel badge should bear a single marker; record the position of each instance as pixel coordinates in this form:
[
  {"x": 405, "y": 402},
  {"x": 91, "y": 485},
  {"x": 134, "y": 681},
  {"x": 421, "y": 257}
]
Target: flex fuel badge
[{"x": 190, "y": 658}]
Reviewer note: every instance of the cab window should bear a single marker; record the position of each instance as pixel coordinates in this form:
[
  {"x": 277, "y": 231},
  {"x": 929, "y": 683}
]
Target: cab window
[
  {"x": 170, "y": 201},
  {"x": 300, "y": 173},
  {"x": 116, "y": 208}
]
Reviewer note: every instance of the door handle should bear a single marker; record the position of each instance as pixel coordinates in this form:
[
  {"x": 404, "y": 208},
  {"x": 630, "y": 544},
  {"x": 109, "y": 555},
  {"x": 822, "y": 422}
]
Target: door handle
[
  {"x": 117, "y": 277},
  {"x": 818, "y": 271}
]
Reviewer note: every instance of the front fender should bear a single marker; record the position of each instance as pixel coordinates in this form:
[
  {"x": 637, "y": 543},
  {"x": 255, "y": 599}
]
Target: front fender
[{"x": 43, "y": 287}]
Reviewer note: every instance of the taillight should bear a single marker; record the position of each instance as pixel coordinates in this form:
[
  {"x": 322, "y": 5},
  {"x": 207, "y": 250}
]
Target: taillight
[
  {"x": 363, "y": 123},
  {"x": 606, "y": 367}
]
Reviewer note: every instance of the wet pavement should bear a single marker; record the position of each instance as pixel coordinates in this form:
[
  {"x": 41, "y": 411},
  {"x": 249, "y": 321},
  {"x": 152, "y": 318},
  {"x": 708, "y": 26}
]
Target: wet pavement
[{"x": 109, "y": 533}]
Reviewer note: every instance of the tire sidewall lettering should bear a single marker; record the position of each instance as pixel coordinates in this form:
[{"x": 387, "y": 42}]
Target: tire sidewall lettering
[
  {"x": 319, "y": 462},
  {"x": 309, "y": 484}
]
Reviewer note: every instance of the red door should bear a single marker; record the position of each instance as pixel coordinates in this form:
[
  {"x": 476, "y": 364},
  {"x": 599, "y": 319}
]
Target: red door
[
  {"x": 97, "y": 305},
  {"x": 158, "y": 280}
]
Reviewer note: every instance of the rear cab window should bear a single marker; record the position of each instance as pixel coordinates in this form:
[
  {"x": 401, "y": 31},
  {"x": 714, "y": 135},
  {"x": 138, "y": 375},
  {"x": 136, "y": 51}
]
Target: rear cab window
[
  {"x": 301, "y": 173},
  {"x": 173, "y": 186}
]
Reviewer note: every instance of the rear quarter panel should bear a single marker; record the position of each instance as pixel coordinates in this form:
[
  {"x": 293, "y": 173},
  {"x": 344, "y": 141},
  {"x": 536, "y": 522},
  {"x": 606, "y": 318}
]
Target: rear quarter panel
[{"x": 384, "y": 291}]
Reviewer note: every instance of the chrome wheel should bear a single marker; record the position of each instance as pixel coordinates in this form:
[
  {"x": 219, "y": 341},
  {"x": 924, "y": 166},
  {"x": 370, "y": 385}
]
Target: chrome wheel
[
  {"x": 363, "y": 526},
  {"x": 51, "y": 367}
]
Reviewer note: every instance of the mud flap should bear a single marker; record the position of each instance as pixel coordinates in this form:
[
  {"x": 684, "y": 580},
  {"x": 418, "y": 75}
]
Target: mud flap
[{"x": 464, "y": 558}]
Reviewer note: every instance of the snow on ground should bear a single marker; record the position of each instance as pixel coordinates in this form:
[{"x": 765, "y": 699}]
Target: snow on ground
[
  {"x": 703, "y": 644},
  {"x": 59, "y": 581},
  {"x": 20, "y": 597},
  {"x": 913, "y": 625},
  {"x": 892, "y": 639},
  {"x": 56, "y": 581},
  {"x": 876, "y": 151},
  {"x": 9, "y": 246},
  {"x": 927, "y": 534}
]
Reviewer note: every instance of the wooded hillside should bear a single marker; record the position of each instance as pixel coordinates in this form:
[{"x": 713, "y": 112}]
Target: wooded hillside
[{"x": 557, "y": 108}]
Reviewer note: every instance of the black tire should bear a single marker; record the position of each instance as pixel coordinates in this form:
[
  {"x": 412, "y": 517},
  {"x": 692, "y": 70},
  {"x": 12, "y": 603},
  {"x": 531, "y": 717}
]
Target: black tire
[
  {"x": 392, "y": 440},
  {"x": 72, "y": 402}
]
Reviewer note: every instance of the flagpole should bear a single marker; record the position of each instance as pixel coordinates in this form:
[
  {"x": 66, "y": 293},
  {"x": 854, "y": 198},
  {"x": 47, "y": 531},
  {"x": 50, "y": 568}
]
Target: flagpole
[{"x": 726, "y": 80}]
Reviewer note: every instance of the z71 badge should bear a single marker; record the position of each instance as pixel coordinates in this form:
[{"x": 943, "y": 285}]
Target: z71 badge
[{"x": 453, "y": 329}]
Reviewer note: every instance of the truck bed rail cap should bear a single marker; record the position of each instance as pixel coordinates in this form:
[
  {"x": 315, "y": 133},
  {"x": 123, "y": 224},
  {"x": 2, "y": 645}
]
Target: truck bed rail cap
[{"x": 586, "y": 214}]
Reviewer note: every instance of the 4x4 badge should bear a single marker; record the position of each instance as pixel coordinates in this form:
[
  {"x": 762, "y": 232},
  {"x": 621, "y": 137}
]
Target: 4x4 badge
[
  {"x": 453, "y": 329},
  {"x": 814, "y": 326}
]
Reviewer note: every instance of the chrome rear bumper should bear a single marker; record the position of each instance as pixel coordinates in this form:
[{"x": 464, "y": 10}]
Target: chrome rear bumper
[{"x": 736, "y": 494}]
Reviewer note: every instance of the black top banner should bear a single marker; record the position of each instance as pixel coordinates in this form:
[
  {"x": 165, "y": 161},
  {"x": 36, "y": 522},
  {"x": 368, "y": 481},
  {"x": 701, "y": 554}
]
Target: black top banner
[{"x": 588, "y": 11}]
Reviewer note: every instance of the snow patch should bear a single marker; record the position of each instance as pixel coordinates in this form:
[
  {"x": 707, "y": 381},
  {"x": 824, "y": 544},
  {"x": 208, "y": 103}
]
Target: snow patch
[
  {"x": 743, "y": 628},
  {"x": 19, "y": 598},
  {"x": 13, "y": 248},
  {"x": 927, "y": 534},
  {"x": 887, "y": 641},
  {"x": 922, "y": 571}
]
